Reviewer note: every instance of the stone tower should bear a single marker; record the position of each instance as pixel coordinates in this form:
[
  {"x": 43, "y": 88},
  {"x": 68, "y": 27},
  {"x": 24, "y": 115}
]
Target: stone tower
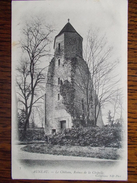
[
  {"x": 68, "y": 99},
  {"x": 68, "y": 43}
]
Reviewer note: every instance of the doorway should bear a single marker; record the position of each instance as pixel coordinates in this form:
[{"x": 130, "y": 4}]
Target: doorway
[{"x": 63, "y": 124}]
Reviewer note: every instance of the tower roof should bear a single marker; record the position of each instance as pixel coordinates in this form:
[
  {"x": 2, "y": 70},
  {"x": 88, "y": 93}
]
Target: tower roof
[{"x": 68, "y": 28}]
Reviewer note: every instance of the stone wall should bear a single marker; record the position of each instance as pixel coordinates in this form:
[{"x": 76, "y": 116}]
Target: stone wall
[
  {"x": 55, "y": 109},
  {"x": 72, "y": 45},
  {"x": 69, "y": 90}
]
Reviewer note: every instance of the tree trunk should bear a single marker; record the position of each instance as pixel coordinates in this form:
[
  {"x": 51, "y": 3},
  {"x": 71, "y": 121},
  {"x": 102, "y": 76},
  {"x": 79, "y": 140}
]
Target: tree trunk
[
  {"x": 30, "y": 109},
  {"x": 97, "y": 109}
]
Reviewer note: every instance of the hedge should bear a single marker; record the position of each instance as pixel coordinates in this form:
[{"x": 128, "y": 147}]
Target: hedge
[
  {"x": 89, "y": 136},
  {"x": 32, "y": 134}
]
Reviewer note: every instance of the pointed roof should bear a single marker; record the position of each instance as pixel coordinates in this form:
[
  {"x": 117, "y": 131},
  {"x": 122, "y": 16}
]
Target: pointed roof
[{"x": 67, "y": 28}]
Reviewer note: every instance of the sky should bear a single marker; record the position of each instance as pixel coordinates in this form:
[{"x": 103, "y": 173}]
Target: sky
[
  {"x": 105, "y": 15},
  {"x": 109, "y": 17}
]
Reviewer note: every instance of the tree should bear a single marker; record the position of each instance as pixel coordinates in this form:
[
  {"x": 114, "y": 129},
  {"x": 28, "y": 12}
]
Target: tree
[
  {"x": 35, "y": 46},
  {"x": 102, "y": 64},
  {"x": 110, "y": 118},
  {"x": 21, "y": 118},
  {"x": 84, "y": 86},
  {"x": 116, "y": 103}
]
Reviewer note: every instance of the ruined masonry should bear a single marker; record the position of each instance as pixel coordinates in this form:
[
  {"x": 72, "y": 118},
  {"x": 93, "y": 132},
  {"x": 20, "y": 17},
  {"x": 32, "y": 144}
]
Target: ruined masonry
[{"x": 70, "y": 95}]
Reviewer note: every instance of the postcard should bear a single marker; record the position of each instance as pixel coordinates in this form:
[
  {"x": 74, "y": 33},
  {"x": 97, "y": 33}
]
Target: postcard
[{"x": 69, "y": 89}]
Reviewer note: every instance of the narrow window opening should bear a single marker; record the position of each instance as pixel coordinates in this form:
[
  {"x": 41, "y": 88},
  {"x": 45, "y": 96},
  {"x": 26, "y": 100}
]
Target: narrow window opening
[
  {"x": 58, "y": 81},
  {"x": 58, "y": 96},
  {"x": 58, "y": 62},
  {"x": 59, "y": 47}
]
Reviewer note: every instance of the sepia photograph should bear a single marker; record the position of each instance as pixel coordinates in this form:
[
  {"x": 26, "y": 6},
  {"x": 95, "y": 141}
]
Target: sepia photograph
[{"x": 69, "y": 89}]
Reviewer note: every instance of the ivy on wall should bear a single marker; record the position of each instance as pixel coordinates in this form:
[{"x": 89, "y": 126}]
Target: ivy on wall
[
  {"x": 67, "y": 90},
  {"x": 68, "y": 93}
]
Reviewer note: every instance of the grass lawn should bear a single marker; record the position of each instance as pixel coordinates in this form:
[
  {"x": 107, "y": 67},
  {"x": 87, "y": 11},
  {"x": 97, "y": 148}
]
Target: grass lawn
[{"x": 86, "y": 151}]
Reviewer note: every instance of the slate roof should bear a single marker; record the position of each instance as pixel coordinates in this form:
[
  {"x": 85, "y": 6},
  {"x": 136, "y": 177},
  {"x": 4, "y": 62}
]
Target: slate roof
[{"x": 67, "y": 28}]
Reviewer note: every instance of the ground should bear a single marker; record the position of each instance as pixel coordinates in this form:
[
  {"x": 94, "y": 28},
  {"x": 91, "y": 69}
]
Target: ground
[
  {"x": 87, "y": 151},
  {"x": 60, "y": 162}
]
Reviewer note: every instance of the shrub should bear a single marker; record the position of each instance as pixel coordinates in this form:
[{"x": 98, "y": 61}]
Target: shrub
[
  {"x": 32, "y": 134},
  {"x": 89, "y": 136}
]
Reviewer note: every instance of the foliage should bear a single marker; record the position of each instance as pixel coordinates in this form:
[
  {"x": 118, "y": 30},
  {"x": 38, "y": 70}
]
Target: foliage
[
  {"x": 94, "y": 152},
  {"x": 21, "y": 118},
  {"x": 32, "y": 134},
  {"x": 67, "y": 91},
  {"x": 91, "y": 136}
]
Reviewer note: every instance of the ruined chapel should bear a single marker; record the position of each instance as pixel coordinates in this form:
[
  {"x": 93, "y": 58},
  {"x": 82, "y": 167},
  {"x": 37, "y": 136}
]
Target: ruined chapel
[{"x": 70, "y": 94}]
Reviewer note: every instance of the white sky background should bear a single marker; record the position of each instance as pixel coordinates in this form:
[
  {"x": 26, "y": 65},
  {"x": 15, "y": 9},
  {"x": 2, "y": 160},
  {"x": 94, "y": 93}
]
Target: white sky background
[{"x": 109, "y": 16}]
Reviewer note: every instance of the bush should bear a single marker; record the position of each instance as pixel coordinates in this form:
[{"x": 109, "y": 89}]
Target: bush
[
  {"x": 32, "y": 134},
  {"x": 91, "y": 136}
]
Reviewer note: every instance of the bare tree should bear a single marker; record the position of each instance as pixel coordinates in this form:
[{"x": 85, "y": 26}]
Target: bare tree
[
  {"x": 84, "y": 86},
  {"x": 35, "y": 46},
  {"x": 102, "y": 64},
  {"x": 110, "y": 118},
  {"x": 116, "y": 103}
]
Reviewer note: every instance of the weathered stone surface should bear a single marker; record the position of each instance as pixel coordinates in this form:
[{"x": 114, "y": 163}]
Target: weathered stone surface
[{"x": 69, "y": 91}]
